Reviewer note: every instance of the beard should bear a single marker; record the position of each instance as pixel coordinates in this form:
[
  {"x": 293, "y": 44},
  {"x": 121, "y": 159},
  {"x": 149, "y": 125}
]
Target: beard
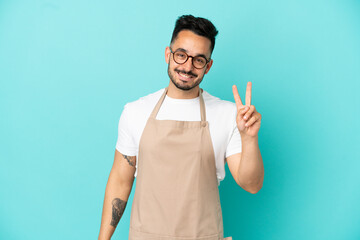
[{"x": 179, "y": 84}]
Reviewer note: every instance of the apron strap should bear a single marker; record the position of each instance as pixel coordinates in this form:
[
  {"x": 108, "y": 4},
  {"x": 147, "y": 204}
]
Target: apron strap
[
  {"x": 202, "y": 107},
  {"x": 161, "y": 100}
]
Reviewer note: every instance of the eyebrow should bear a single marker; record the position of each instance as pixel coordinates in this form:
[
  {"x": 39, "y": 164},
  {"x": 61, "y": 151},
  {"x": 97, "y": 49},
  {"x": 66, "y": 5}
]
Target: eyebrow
[{"x": 184, "y": 50}]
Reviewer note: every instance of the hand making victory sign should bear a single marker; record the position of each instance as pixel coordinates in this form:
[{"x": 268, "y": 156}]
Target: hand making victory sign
[{"x": 248, "y": 119}]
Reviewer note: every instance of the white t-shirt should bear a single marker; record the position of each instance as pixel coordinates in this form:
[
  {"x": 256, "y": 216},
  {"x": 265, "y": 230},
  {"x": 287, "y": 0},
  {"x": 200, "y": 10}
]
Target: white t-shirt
[{"x": 220, "y": 114}]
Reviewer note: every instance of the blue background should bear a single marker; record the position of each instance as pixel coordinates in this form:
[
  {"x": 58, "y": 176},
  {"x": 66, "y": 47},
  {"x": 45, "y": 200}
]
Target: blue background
[{"x": 67, "y": 68}]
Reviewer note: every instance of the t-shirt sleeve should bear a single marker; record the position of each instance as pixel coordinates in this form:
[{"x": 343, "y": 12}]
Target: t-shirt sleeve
[
  {"x": 234, "y": 145},
  {"x": 125, "y": 143}
]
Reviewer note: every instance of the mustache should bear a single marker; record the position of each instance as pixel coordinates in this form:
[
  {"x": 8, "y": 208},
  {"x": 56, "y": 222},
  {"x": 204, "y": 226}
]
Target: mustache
[{"x": 184, "y": 72}]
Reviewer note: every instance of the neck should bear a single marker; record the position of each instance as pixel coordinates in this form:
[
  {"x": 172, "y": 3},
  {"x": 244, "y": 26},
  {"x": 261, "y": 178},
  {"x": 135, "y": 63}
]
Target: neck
[{"x": 177, "y": 93}]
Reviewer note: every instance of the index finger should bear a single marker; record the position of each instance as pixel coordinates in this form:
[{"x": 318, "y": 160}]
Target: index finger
[
  {"x": 237, "y": 98},
  {"x": 248, "y": 94}
]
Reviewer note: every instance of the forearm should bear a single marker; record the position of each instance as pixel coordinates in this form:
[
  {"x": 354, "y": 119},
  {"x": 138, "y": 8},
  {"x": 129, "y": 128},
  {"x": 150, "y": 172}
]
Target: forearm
[
  {"x": 250, "y": 172},
  {"x": 116, "y": 196}
]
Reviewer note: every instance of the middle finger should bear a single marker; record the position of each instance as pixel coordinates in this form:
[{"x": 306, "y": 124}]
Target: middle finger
[{"x": 248, "y": 94}]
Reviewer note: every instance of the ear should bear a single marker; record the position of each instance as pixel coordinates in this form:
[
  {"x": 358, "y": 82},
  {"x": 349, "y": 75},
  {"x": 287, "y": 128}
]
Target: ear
[
  {"x": 208, "y": 66},
  {"x": 167, "y": 54}
]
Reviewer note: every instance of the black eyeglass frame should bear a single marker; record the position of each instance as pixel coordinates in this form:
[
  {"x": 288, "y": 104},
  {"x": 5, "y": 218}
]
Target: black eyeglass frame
[{"x": 187, "y": 58}]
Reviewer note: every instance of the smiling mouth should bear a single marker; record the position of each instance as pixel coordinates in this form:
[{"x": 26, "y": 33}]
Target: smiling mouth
[{"x": 185, "y": 76}]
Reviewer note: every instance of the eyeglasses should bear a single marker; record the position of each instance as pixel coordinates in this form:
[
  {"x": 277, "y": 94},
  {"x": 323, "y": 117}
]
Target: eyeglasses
[{"x": 180, "y": 57}]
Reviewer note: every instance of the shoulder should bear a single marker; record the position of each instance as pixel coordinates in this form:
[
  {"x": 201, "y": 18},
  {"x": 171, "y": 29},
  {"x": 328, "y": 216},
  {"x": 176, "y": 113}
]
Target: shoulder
[
  {"x": 216, "y": 104},
  {"x": 135, "y": 113},
  {"x": 145, "y": 103}
]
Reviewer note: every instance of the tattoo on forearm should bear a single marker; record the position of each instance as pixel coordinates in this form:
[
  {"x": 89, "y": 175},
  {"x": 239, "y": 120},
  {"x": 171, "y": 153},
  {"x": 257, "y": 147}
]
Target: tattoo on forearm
[
  {"x": 118, "y": 207},
  {"x": 131, "y": 160}
]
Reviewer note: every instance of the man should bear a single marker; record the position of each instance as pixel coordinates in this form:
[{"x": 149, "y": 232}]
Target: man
[{"x": 176, "y": 142}]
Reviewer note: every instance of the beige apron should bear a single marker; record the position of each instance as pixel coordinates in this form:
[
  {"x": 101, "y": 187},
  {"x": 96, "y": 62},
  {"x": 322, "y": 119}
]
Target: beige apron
[{"x": 176, "y": 195}]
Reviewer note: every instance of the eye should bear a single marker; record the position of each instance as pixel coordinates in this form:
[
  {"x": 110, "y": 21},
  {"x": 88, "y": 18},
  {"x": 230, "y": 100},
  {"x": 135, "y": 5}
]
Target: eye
[
  {"x": 181, "y": 55},
  {"x": 200, "y": 60}
]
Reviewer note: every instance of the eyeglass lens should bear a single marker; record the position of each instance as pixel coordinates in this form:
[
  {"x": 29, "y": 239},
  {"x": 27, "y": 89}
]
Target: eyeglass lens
[{"x": 181, "y": 57}]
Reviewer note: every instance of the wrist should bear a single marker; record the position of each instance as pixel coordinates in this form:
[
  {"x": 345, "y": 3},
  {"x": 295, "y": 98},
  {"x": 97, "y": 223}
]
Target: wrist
[{"x": 249, "y": 139}]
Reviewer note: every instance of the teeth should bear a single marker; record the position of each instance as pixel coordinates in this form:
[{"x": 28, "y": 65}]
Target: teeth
[{"x": 185, "y": 75}]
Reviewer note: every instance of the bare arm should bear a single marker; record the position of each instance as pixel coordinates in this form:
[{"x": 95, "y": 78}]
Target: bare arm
[
  {"x": 247, "y": 167},
  {"x": 117, "y": 192}
]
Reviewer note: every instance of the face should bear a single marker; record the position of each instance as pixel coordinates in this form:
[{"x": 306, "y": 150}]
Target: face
[{"x": 185, "y": 76}]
